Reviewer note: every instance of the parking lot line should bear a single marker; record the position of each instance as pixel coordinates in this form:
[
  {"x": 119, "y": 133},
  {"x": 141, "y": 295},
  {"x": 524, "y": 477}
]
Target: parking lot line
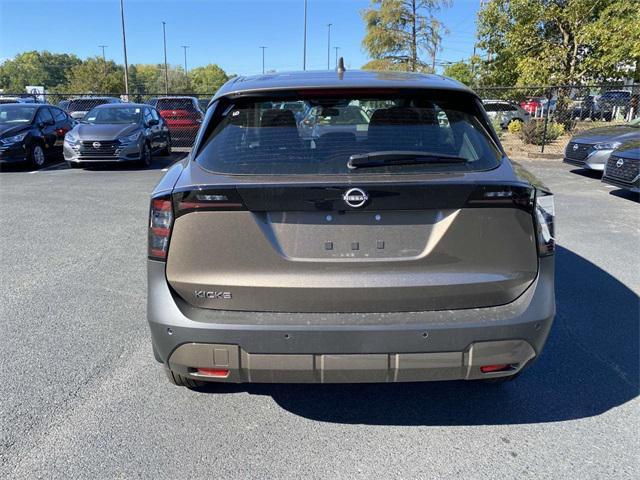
[{"x": 55, "y": 166}]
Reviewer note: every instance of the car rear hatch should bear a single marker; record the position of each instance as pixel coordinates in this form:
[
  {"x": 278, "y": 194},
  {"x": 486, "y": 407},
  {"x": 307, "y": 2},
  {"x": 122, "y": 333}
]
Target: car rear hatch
[{"x": 359, "y": 242}]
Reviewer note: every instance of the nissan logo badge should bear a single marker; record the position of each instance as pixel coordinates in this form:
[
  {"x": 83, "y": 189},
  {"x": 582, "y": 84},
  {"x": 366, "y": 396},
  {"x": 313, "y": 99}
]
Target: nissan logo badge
[
  {"x": 97, "y": 144},
  {"x": 575, "y": 147},
  {"x": 619, "y": 163},
  {"x": 355, "y": 197}
]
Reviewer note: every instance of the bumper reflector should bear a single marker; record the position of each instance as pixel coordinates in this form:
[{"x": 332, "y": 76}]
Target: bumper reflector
[
  {"x": 213, "y": 372},
  {"x": 496, "y": 368}
]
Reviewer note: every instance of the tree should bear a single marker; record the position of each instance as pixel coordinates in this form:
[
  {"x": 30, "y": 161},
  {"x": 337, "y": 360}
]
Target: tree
[
  {"x": 207, "y": 79},
  {"x": 465, "y": 72},
  {"x": 36, "y": 68},
  {"x": 383, "y": 65},
  {"x": 94, "y": 75},
  {"x": 401, "y": 32},
  {"x": 559, "y": 41}
]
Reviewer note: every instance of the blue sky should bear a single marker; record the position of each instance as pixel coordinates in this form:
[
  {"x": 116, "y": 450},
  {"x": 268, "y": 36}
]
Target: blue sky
[{"x": 225, "y": 32}]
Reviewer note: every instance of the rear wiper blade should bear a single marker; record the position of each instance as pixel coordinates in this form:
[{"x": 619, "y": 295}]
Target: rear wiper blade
[{"x": 400, "y": 157}]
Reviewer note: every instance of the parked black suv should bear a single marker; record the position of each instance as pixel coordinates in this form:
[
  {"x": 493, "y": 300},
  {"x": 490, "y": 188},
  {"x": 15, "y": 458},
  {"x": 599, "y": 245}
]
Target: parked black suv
[{"x": 414, "y": 252}]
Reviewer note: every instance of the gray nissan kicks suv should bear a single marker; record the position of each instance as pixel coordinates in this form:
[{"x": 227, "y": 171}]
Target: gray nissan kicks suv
[{"x": 414, "y": 252}]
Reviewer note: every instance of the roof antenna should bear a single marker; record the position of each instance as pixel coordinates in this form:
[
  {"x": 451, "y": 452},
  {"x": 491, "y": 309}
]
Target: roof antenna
[{"x": 340, "y": 68}]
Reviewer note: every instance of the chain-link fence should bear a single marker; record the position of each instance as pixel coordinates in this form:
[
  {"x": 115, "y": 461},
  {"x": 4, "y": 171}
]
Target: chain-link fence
[
  {"x": 535, "y": 120},
  {"x": 530, "y": 120},
  {"x": 183, "y": 113}
]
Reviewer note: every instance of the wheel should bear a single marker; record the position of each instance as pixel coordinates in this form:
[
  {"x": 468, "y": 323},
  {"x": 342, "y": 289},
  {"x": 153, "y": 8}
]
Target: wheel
[
  {"x": 181, "y": 381},
  {"x": 36, "y": 156},
  {"x": 167, "y": 150},
  {"x": 145, "y": 155}
]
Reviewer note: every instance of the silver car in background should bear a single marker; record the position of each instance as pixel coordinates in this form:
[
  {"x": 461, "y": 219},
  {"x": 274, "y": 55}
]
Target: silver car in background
[
  {"x": 117, "y": 133},
  {"x": 506, "y": 112},
  {"x": 591, "y": 149}
]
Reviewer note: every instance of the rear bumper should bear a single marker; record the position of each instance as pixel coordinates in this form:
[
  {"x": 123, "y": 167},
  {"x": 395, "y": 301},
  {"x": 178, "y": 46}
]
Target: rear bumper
[{"x": 353, "y": 347}]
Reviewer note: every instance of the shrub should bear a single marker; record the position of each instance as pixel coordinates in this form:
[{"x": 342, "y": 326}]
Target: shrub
[
  {"x": 533, "y": 132},
  {"x": 515, "y": 126}
]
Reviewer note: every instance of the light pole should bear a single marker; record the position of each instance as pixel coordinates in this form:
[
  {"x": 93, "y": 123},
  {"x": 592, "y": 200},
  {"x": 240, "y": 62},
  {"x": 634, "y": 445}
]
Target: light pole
[
  {"x": 263, "y": 49},
  {"x": 304, "y": 48},
  {"x": 336, "y": 49},
  {"x": 185, "y": 58},
  {"x": 124, "y": 46},
  {"x": 104, "y": 60},
  {"x": 166, "y": 71},
  {"x": 329, "y": 45}
]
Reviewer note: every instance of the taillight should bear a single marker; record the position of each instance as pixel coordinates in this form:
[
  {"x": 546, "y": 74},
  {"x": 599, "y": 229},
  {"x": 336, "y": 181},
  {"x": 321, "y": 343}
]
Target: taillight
[
  {"x": 545, "y": 223},
  {"x": 207, "y": 200},
  {"x": 160, "y": 223}
]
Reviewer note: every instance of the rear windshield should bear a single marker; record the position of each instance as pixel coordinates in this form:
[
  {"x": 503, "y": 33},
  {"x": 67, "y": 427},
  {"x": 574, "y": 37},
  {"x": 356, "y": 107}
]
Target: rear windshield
[
  {"x": 85, "y": 104},
  {"x": 175, "y": 104},
  {"x": 258, "y": 136}
]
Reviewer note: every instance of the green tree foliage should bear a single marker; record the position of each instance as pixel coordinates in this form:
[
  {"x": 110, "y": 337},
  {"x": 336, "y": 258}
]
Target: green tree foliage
[
  {"x": 464, "y": 71},
  {"x": 207, "y": 79},
  {"x": 96, "y": 76},
  {"x": 403, "y": 32},
  {"x": 559, "y": 41},
  {"x": 383, "y": 64},
  {"x": 36, "y": 68}
]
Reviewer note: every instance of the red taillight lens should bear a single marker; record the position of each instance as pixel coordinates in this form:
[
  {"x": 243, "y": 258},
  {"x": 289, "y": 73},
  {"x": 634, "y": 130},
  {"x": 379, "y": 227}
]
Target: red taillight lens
[
  {"x": 213, "y": 372},
  {"x": 495, "y": 368},
  {"x": 160, "y": 222}
]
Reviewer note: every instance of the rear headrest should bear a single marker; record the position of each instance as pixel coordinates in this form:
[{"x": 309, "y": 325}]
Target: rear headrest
[
  {"x": 278, "y": 118},
  {"x": 395, "y": 116}
]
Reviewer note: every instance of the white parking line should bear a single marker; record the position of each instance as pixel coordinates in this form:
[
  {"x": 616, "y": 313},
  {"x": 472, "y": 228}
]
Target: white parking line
[{"x": 55, "y": 166}]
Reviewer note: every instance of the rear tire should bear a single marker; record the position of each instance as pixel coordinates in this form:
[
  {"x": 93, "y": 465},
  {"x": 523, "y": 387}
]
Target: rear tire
[
  {"x": 182, "y": 381},
  {"x": 167, "y": 150},
  {"x": 145, "y": 155}
]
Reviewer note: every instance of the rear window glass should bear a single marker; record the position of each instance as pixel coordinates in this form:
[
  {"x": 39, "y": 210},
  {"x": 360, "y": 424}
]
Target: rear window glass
[
  {"x": 175, "y": 104},
  {"x": 85, "y": 104},
  {"x": 259, "y": 136}
]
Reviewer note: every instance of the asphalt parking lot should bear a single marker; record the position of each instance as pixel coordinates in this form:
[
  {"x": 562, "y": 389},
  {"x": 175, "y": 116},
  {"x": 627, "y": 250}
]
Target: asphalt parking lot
[{"x": 82, "y": 396}]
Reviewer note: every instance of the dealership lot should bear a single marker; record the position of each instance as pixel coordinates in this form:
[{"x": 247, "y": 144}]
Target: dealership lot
[{"x": 83, "y": 397}]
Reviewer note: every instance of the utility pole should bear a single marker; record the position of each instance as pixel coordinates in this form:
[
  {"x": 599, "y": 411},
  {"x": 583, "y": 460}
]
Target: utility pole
[
  {"x": 263, "y": 49},
  {"x": 184, "y": 47},
  {"x": 329, "y": 45},
  {"x": 124, "y": 45},
  {"x": 166, "y": 71},
  {"x": 336, "y": 49},
  {"x": 104, "y": 59},
  {"x": 304, "y": 48}
]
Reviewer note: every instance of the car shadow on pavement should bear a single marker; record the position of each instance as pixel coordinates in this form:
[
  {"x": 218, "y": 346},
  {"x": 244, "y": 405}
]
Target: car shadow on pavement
[
  {"x": 595, "y": 174},
  {"x": 589, "y": 366},
  {"x": 626, "y": 194}
]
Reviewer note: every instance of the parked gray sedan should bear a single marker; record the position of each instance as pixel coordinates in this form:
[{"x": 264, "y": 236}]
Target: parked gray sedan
[
  {"x": 591, "y": 149},
  {"x": 117, "y": 133}
]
